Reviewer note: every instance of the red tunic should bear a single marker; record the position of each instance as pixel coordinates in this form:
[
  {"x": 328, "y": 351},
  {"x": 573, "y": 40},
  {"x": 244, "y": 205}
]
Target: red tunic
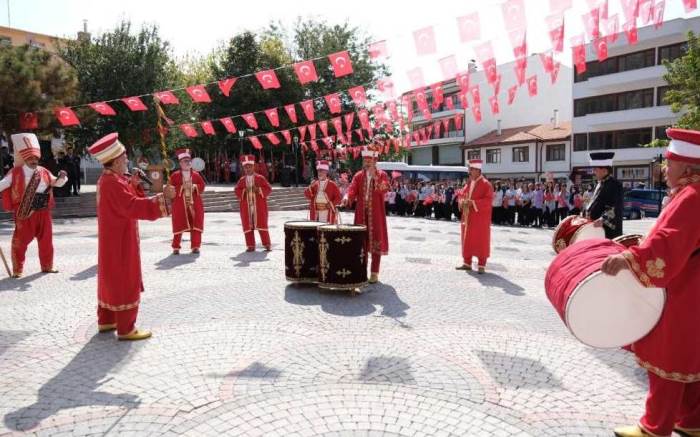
[
  {"x": 12, "y": 197},
  {"x": 119, "y": 206},
  {"x": 369, "y": 210},
  {"x": 188, "y": 209},
  {"x": 253, "y": 202},
  {"x": 669, "y": 256},
  {"x": 332, "y": 196},
  {"x": 475, "y": 203}
]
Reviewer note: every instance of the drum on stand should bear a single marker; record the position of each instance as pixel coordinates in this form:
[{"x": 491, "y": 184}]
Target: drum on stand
[
  {"x": 629, "y": 240},
  {"x": 301, "y": 251},
  {"x": 342, "y": 256},
  {"x": 601, "y": 310},
  {"x": 572, "y": 229}
]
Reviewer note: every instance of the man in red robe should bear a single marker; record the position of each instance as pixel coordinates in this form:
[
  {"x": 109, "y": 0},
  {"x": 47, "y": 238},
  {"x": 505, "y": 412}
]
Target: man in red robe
[
  {"x": 475, "y": 204},
  {"x": 188, "y": 209},
  {"x": 26, "y": 191},
  {"x": 324, "y": 196},
  {"x": 368, "y": 187},
  {"x": 669, "y": 257},
  {"x": 252, "y": 191},
  {"x": 120, "y": 203}
]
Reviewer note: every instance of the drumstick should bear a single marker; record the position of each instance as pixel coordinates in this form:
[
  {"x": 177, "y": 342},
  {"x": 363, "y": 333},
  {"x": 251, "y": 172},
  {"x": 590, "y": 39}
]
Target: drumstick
[{"x": 4, "y": 261}]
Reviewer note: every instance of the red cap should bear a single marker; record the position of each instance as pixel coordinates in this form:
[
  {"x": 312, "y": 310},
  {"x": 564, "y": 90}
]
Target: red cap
[
  {"x": 247, "y": 159},
  {"x": 107, "y": 148},
  {"x": 684, "y": 145},
  {"x": 182, "y": 154}
]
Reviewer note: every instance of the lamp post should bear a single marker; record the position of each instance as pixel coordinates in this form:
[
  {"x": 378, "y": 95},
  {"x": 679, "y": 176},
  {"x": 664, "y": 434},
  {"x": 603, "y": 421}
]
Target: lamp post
[{"x": 295, "y": 155}]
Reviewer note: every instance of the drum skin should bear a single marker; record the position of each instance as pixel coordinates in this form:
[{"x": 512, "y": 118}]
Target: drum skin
[
  {"x": 601, "y": 310},
  {"x": 629, "y": 240},
  {"x": 301, "y": 251},
  {"x": 572, "y": 229},
  {"x": 342, "y": 257}
]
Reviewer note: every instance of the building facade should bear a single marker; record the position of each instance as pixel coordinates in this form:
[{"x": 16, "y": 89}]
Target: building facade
[
  {"x": 10, "y": 36},
  {"x": 618, "y": 104}
]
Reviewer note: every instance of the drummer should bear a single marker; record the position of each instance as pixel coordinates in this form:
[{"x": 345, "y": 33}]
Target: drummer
[
  {"x": 188, "y": 209},
  {"x": 368, "y": 187},
  {"x": 323, "y": 195},
  {"x": 669, "y": 257}
]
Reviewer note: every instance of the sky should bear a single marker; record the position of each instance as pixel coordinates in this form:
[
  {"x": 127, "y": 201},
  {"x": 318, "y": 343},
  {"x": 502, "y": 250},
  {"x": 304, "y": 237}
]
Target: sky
[{"x": 198, "y": 27}]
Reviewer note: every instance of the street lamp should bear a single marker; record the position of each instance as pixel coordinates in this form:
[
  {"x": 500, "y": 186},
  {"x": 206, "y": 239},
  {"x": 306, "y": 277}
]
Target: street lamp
[{"x": 295, "y": 155}]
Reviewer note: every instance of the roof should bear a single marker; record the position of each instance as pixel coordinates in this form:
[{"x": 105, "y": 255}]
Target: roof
[{"x": 523, "y": 134}]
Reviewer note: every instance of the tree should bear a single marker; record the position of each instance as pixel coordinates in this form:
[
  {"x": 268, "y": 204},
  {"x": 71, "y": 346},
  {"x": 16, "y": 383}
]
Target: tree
[{"x": 32, "y": 80}]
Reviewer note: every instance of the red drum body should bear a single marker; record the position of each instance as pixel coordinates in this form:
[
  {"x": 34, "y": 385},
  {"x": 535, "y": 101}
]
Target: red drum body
[
  {"x": 573, "y": 229},
  {"x": 629, "y": 240}
]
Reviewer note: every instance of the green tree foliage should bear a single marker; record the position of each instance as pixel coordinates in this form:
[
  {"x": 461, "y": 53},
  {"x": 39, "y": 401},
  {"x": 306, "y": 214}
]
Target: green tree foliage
[
  {"x": 683, "y": 77},
  {"x": 32, "y": 80}
]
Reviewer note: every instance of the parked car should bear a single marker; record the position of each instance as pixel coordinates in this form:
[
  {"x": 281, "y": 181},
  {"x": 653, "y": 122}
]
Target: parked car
[{"x": 640, "y": 203}]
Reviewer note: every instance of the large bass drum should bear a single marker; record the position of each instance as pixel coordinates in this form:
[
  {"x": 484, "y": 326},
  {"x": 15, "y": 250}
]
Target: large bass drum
[
  {"x": 342, "y": 257},
  {"x": 301, "y": 251}
]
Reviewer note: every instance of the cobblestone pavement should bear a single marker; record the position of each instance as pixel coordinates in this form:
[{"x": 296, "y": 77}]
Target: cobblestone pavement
[{"x": 236, "y": 350}]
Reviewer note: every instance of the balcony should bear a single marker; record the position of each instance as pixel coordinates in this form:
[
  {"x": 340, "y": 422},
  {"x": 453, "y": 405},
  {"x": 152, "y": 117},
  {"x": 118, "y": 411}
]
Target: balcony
[
  {"x": 617, "y": 82},
  {"x": 630, "y": 118},
  {"x": 418, "y": 117}
]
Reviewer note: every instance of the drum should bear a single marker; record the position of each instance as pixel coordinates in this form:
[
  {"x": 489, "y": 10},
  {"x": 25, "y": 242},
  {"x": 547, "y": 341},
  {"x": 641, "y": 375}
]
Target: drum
[
  {"x": 198, "y": 164},
  {"x": 629, "y": 240},
  {"x": 342, "y": 257},
  {"x": 301, "y": 251},
  {"x": 601, "y": 310},
  {"x": 572, "y": 229}
]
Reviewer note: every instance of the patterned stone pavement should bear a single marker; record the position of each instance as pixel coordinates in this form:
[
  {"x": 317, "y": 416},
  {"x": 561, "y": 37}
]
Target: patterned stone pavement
[{"x": 429, "y": 351}]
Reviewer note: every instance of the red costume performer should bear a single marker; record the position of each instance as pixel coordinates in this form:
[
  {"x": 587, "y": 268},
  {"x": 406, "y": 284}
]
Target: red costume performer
[
  {"x": 669, "y": 257},
  {"x": 188, "y": 209},
  {"x": 324, "y": 196},
  {"x": 120, "y": 203},
  {"x": 368, "y": 187},
  {"x": 475, "y": 202},
  {"x": 26, "y": 191},
  {"x": 252, "y": 191}
]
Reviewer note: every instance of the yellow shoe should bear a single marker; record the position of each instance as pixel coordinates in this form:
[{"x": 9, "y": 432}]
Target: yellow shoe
[
  {"x": 51, "y": 270},
  {"x": 195, "y": 250},
  {"x": 685, "y": 432},
  {"x": 464, "y": 267},
  {"x": 482, "y": 270},
  {"x": 374, "y": 278},
  {"x": 135, "y": 335},
  {"x": 630, "y": 431},
  {"x": 107, "y": 328},
  {"x": 17, "y": 275},
  {"x": 176, "y": 251}
]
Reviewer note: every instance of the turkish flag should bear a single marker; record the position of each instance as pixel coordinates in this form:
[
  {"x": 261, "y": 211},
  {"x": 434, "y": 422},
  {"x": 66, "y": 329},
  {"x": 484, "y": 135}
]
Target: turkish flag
[
  {"x": 287, "y": 136},
  {"x": 476, "y": 112},
  {"x": 426, "y": 114},
  {"x": 554, "y": 74},
  {"x": 386, "y": 86},
  {"x": 341, "y": 63},
  {"x": 518, "y": 40},
  {"x": 308, "y": 107},
  {"x": 532, "y": 85},
  {"x": 484, "y": 51},
  {"x": 559, "y": 6},
  {"x": 458, "y": 122},
  {"x": 349, "y": 118},
  {"x": 103, "y": 108},
  {"x": 256, "y": 143},
  {"x": 555, "y": 25},
  {"x": 408, "y": 105},
  {"x": 66, "y": 116},
  {"x": 363, "y": 115},
  {"x": 338, "y": 125},
  {"x": 448, "y": 66},
  {"x": 450, "y": 103},
  {"x": 393, "y": 110},
  {"x": 462, "y": 80},
  {"x": 378, "y": 49},
  {"x": 514, "y": 14},
  {"x": 591, "y": 22},
  {"x": 228, "y": 124},
  {"x": 226, "y": 85},
  {"x": 490, "y": 70},
  {"x": 421, "y": 99},
  {"x": 358, "y": 95},
  {"x": 438, "y": 94},
  {"x": 493, "y": 101},
  {"x": 333, "y": 102},
  {"x": 268, "y": 79},
  {"x": 250, "y": 120},
  {"x": 463, "y": 100},
  {"x": 512, "y": 91},
  {"x": 416, "y": 138},
  {"x": 208, "y": 128},
  {"x": 497, "y": 85},
  {"x": 188, "y": 130},
  {"x": 323, "y": 125},
  {"x": 272, "y": 138},
  {"x": 659, "y": 8},
  {"x": 134, "y": 104},
  {"x": 415, "y": 77},
  {"x": 469, "y": 27},
  {"x": 198, "y": 93},
  {"x": 312, "y": 131},
  {"x": 165, "y": 97},
  {"x": 273, "y": 117},
  {"x": 690, "y": 5},
  {"x": 328, "y": 141},
  {"x": 578, "y": 53},
  {"x": 30, "y": 120},
  {"x": 360, "y": 134},
  {"x": 291, "y": 112},
  {"x": 601, "y": 48},
  {"x": 425, "y": 41},
  {"x": 612, "y": 28},
  {"x": 547, "y": 61},
  {"x": 445, "y": 125},
  {"x": 302, "y": 132},
  {"x": 646, "y": 11},
  {"x": 476, "y": 95},
  {"x": 631, "y": 32},
  {"x": 306, "y": 72}
]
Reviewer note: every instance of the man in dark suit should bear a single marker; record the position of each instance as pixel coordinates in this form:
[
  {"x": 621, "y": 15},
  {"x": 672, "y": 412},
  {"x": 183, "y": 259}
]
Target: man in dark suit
[{"x": 607, "y": 201}]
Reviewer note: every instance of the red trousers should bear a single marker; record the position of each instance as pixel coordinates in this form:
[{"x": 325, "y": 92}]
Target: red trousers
[
  {"x": 195, "y": 240},
  {"x": 125, "y": 320},
  {"x": 482, "y": 261},
  {"x": 39, "y": 226},
  {"x": 250, "y": 238},
  {"x": 375, "y": 262},
  {"x": 671, "y": 404}
]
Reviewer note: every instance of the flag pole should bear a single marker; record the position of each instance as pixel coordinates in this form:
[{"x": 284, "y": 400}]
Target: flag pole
[{"x": 161, "y": 132}]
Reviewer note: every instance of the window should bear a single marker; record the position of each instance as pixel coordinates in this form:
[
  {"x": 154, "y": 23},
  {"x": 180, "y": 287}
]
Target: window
[
  {"x": 634, "y": 61},
  {"x": 5, "y": 41},
  {"x": 474, "y": 154},
  {"x": 621, "y": 139},
  {"x": 521, "y": 154},
  {"x": 617, "y": 64},
  {"x": 673, "y": 51},
  {"x": 580, "y": 142},
  {"x": 614, "y": 102},
  {"x": 661, "y": 95},
  {"x": 556, "y": 152},
  {"x": 660, "y": 132},
  {"x": 493, "y": 156}
]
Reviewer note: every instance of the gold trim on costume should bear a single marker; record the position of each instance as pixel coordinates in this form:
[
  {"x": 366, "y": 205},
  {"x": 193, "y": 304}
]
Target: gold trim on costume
[
  {"x": 297, "y": 253},
  {"x": 323, "y": 256},
  {"x": 672, "y": 376},
  {"x": 124, "y": 307},
  {"x": 634, "y": 266},
  {"x": 655, "y": 268},
  {"x": 330, "y": 286},
  {"x": 162, "y": 205}
]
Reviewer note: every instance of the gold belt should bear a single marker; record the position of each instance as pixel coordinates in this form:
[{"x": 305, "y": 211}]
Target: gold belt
[{"x": 321, "y": 206}]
